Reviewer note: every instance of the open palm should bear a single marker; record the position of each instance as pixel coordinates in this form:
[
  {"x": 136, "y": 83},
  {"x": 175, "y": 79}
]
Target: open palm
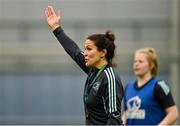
[{"x": 52, "y": 18}]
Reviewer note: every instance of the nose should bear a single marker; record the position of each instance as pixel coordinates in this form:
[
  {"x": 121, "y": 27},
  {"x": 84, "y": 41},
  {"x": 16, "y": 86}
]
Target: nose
[
  {"x": 135, "y": 64},
  {"x": 85, "y": 53}
]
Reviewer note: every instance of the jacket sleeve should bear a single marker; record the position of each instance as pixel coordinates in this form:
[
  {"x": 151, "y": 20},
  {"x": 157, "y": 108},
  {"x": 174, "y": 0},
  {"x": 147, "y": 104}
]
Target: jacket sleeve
[
  {"x": 113, "y": 97},
  {"x": 71, "y": 48}
]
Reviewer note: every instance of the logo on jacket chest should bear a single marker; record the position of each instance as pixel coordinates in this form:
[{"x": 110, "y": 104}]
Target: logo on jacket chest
[{"x": 96, "y": 86}]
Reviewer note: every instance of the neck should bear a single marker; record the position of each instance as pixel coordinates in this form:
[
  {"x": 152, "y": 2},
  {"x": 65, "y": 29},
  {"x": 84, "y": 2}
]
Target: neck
[
  {"x": 101, "y": 64},
  {"x": 142, "y": 80}
]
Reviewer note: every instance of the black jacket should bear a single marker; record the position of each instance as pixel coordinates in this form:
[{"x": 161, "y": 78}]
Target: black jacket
[{"x": 103, "y": 96}]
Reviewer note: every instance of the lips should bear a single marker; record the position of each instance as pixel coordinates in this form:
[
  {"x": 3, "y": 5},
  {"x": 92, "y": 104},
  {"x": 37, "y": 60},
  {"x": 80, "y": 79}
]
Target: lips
[
  {"x": 86, "y": 60},
  {"x": 136, "y": 69}
]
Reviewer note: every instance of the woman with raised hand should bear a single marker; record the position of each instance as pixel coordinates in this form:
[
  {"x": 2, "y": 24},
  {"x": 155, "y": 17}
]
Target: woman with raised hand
[{"x": 103, "y": 90}]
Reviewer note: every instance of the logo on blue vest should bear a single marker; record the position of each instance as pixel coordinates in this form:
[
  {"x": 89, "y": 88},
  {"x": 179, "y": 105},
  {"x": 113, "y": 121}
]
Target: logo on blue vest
[{"x": 133, "y": 109}]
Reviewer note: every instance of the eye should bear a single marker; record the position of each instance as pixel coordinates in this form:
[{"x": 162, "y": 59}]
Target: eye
[
  {"x": 141, "y": 61},
  {"x": 135, "y": 61},
  {"x": 88, "y": 48}
]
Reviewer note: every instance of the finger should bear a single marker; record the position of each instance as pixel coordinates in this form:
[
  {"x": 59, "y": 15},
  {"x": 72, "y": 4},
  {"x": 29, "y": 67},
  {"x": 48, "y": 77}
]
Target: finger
[
  {"x": 58, "y": 13},
  {"x": 51, "y": 10},
  {"x": 46, "y": 12}
]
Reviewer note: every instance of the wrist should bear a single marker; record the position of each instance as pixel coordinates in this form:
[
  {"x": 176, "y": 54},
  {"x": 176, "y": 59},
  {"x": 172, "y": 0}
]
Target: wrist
[{"x": 55, "y": 26}]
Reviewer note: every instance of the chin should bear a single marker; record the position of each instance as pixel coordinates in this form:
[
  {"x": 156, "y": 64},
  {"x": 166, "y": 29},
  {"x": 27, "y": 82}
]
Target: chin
[
  {"x": 137, "y": 74},
  {"x": 87, "y": 65}
]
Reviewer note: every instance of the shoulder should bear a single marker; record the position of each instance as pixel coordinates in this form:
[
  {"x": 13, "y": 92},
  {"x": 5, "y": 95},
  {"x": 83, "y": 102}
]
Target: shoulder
[
  {"x": 112, "y": 79},
  {"x": 110, "y": 73},
  {"x": 130, "y": 84},
  {"x": 111, "y": 76},
  {"x": 161, "y": 85},
  {"x": 163, "y": 95}
]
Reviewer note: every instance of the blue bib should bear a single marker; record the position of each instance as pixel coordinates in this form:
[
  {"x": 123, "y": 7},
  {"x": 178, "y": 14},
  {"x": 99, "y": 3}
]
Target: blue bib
[{"x": 141, "y": 105}]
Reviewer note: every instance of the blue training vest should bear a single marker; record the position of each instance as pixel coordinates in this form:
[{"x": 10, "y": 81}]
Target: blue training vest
[{"x": 141, "y": 105}]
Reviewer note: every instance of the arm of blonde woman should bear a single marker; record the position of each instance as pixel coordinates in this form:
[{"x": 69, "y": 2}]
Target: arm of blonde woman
[
  {"x": 165, "y": 99},
  {"x": 171, "y": 117},
  {"x": 124, "y": 118}
]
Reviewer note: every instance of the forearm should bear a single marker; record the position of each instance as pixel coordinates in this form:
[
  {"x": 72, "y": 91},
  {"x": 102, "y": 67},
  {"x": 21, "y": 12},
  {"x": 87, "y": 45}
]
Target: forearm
[
  {"x": 171, "y": 117},
  {"x": 168, "y": 120},
  {"x": 71, "y": 48},
  {"x": 68, "y": 44},
  {"x": 124, "y": 118}
]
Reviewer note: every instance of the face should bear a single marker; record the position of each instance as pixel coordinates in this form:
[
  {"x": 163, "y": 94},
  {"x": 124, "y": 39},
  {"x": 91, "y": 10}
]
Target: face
[
  {"x": 92, "y": 56},
  {"x": 141, "y": 65}
]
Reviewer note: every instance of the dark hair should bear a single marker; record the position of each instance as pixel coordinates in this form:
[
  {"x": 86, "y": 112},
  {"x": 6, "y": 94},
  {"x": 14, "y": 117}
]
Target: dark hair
[{"x": 105, "y": 41}]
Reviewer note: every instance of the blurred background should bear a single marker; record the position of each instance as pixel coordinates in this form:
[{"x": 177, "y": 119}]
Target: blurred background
[{"x": 40, "y": 84}]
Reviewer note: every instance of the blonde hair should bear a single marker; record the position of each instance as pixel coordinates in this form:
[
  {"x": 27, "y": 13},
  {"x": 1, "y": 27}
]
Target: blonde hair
[{"x": 151, "y": 57}]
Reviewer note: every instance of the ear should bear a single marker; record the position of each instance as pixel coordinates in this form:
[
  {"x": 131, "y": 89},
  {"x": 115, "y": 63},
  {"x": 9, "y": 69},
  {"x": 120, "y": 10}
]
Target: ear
[
  {"x": 104, "y": 52},
  {"x": 152, "y": 65}
]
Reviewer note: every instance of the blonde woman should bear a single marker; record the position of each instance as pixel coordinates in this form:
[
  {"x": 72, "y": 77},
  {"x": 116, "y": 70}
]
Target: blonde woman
[{"x": 148, "y": 100}]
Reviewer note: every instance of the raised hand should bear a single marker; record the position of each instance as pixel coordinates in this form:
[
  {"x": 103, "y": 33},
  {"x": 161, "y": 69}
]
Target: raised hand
[{"x": 52, "y": 18}]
